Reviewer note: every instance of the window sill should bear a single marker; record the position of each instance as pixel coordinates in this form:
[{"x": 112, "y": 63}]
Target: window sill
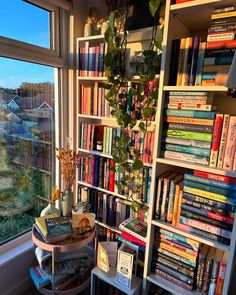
[{"x": 15, "y": 248}]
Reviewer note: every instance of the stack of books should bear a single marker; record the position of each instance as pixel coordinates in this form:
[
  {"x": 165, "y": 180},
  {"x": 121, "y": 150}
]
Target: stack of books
[
  {"x": 101, "y": 138},
  {"x": 91, "y": 60},
  {"x": 188, "y": 126},
  {"x": 53, "y": 229},
  {"x": 96, "y": 171},
  {"x": 188, "y": 263},
  {"x": 175, "y": 258},
  {"x": 220, "y": 47},
  {"x": 208, "y": 205},
  {"x": 93, "y": 102}
]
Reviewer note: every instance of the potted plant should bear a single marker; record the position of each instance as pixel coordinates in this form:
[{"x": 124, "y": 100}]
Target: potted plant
[{"x": 145, "y": 91}]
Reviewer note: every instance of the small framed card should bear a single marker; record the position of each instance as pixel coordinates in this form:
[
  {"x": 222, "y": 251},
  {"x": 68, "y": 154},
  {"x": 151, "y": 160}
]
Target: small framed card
[{"x": 107, "y": 254}]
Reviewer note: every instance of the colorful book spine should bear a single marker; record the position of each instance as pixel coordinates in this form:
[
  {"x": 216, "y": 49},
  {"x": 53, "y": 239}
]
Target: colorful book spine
[
  {"x": 188, "y": 135},
  {"x": 190, "y": 106},
  {"x": 186, "y": 157},
  {"x": 188, "y": 142},
  {"x": 214, "y": 276},
  {"x": 206, "y": 227},
  {"x": 230, "y": 145},
  {"x": 191, "y": 114},
  {"x": 211, "y": 182},
  {"x": 194, "y": 121},
  {"x": 221, "y": 275},
  {"x": 216, "y": 140},
  {"x": 223, "y": 139},
  {"x": 221, "y": 44},
  {"x": 218, "y": 60},
  {"x": 173, "y": 279},
  {"x": 177, "y": 251},
  {"x": 223, "y": 15},
  {"x": 187, "y": 149},
  {"x": 175, "y": 262},
  {"x": 181, "y": 62},
  {"x": 177, "y": 257},
  {"x": 194, "y": 61},
  {"x": 189, "y": 127},
  {"x": 187, "y": 61}
]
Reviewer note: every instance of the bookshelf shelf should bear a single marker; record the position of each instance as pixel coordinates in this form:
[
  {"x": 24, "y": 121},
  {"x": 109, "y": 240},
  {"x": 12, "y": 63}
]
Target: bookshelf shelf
[
  {"x": 188, "y": 165},
  {"x": 167, "y": 285},
  {"x": 188, "y": 235},
  {"x": 196, "y": 88},
  {"x": 204, "y": 3},
  {"x": 112, "y": 228}
]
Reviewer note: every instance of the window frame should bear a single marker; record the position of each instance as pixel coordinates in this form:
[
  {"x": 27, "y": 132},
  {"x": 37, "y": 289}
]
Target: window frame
[{"x": 57, "y": 58}]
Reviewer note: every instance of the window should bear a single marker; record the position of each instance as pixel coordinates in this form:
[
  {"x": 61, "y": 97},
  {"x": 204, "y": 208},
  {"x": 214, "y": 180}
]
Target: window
[
  {"x": 31, "y": 80},
  {"x": 25, "y": 22}
]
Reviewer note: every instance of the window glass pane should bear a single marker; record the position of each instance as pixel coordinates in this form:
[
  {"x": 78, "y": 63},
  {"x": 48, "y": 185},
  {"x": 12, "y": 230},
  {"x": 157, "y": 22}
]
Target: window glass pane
[
  {"x": 25, "y": 22},
  {"x": 26, "y": 143}
]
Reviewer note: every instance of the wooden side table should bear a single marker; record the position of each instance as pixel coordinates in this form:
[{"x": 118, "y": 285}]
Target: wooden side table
[
  {"x": 110, "y": 278},
  {"x": 61, "y": 247}
]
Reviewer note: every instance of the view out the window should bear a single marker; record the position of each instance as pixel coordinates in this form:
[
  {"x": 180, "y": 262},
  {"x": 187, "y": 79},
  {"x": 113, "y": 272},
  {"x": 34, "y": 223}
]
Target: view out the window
[
  {"x": 25, "y": 22},
  {"x": 26, "y": 143}
]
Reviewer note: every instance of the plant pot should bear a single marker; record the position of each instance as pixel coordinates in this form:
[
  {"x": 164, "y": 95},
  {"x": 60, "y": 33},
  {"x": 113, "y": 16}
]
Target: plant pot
[
  {"x": 67, "y": 201},
  {"x": 49, "y": 210}
]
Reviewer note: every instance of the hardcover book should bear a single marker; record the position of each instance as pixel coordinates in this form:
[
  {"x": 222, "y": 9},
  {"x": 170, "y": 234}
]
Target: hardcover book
[{"x": 135, "y": 227}]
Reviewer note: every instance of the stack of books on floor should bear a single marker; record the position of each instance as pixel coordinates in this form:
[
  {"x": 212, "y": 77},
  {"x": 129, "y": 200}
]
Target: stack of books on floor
[
  {"x": 96, "y": 171},
  {"x": 71, "y": 269},
  {"x": 189, "y": 264},
  {"x": 204, "y": 204},
  {"x": 93, "y": 102},
  {"x": 52, "y": 228},
  {"x": 175, "y": 258},
  {"x": 188, "y": 126},
  {"x": 220, "y": 47},
  {"x": 91, "y": 60}
]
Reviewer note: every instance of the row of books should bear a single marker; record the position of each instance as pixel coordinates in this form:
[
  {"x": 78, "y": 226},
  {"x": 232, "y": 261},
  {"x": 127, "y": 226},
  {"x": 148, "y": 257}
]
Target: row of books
[
  {"x": 93, "y": 101},
  {"x": 109, "y": 209},
  {"x": 91, "y": 60},
  {"x": 202, "y": 204},
  {"x": 221, "y": 39},
  {"x": 175, "y": 258},
  {"x": 102, "y": 138},
  {"x": 188, "y": 126},
  {"x": 96, "y": 171},
  {"x": 196, "y": 62},
  {"x": 188, "y": 263}
]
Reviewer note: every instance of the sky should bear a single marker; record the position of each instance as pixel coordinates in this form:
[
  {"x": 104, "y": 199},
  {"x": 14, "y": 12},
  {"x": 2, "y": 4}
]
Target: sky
[{"x": 22, "y": 21}]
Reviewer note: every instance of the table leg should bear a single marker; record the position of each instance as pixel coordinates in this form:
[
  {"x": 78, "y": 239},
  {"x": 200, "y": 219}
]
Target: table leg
[
  {"x": 93, "y": 283},
  {"x": 53, "y": 271}
]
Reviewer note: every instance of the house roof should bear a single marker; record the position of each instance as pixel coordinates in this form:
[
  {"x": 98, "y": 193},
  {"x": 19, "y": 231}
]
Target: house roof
[{"x": 43, "y": 107}]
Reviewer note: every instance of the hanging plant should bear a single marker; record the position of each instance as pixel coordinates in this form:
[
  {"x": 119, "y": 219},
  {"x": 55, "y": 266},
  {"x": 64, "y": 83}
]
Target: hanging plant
[{"x": 123, "y": 94}]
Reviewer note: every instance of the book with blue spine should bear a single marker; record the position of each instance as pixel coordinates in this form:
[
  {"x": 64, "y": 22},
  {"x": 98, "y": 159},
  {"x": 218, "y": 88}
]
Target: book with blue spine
[
  {"x": 218, "y": 205},
  {"x": 209, "y": 188},
  {"x": 187, "y": 149},
  {"x": 190, "y": 114},
  {"x": 211, "y": 182}
]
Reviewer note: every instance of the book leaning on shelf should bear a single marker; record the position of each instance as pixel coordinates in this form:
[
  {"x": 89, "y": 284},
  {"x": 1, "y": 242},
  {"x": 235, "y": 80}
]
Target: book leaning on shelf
[{"x": 53, "y": 229}]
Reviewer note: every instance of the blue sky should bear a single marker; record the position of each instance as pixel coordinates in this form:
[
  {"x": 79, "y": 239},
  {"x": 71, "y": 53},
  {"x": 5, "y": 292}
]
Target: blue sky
[{"x": 25, "y": 22}]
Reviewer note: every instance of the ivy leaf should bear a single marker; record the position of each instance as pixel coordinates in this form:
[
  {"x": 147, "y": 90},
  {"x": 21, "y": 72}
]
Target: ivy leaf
[
  {"x": 106, "y": 86},
  {"x": 109, "y": 36},
  {"x": 135, "y": 206},
  {"x": 112, "y": 21},
  {"x": 126, "y": 119},
  {"x": 147, "y": 112},
  {"x": 158, "y": 44},
  {"x": 142, "y": 126},
  {"x": 153, "y": 6},
  {"x": 108, "y": 60},
  {"x": 137, "y": 165}
]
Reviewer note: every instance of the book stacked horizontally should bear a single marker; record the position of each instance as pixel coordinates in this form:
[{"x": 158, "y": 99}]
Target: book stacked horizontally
[
  {"x": 188, "y": 126},
  {"x": 175, "y": 258},
  {"x": 208, "y": 205},
  {"x": 189, "y": 264},
  {"x": 220, "y": 47},
  {"x": 53, "y": 229}
]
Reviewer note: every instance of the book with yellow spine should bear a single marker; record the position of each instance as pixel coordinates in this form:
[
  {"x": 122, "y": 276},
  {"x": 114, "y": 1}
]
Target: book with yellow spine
[{"x": 40, "y": 222}]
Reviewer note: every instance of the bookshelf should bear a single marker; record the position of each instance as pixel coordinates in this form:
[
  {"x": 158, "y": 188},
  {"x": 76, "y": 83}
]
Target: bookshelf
[{"x": 179, "y": 23}]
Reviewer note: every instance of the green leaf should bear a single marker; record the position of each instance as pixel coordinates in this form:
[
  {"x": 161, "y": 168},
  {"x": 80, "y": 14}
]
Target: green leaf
[
  {"x": 153, "y": 6},
  {"x": 137, "y": 165},
  {"x": 108, "y": 60},
  {"x": 108, "y": 36},
  {"x": 158, "y": 44},
  {"x": 147, "y": 112},
  {"x": 106, "y": 86},
  {"x": 112, "y": 21},
  {"x": 142, "y": 126}
]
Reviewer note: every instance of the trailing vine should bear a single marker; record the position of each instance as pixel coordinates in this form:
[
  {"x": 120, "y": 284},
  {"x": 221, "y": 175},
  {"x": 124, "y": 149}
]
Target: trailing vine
[{"x": 123, "y": 95}]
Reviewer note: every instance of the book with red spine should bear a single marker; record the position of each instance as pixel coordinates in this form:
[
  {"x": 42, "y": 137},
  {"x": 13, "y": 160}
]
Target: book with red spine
[
  {"x": 216, "y": 140},
  {"x": 111, "y": 177},
  {"x": 221, "y": 44},
  {"x": 221, "y": 275},
  {"x": 230, "y": 145},
  {"x": 132, "y": 239},
  {"x": 182, "y": 1},
  {"x": 215, "y": 176}
]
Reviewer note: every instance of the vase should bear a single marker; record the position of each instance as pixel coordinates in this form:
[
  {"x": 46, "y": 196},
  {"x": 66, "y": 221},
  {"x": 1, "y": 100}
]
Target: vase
[
  {"x": 49, "y": 210},
  {"x": 67, "y": 201}
]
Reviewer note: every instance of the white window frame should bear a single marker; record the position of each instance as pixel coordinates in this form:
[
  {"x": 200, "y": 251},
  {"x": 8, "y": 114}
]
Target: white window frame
[{"x": 55, "y": 57}]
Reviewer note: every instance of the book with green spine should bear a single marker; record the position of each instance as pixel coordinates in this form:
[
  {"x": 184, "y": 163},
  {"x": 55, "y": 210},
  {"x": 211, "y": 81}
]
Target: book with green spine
[{"x": 188, "y": 135}]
